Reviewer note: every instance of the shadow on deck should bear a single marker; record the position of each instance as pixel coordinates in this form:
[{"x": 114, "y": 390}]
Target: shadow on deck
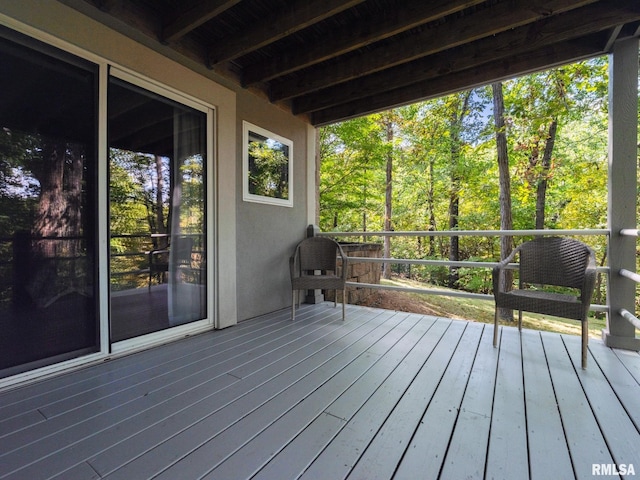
[{"x": 382, "y": 395}]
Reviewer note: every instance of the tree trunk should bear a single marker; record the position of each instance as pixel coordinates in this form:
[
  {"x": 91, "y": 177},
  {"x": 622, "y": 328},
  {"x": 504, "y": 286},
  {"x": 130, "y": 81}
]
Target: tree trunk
[
  {"x": 386, "y": 268},
  {"x": 506, "y": 220},
  {"x": 48, "y": 221},
  {"x": 57, "y": 225},
  {"x": 457, "y": 118},
  {"x": 541, "y": 191},
  {"x": 454, "y": 243},
  {"x": 59, "y": 209},
  {"x": 431, "y": 209},
  {"x": 364, "y": 207}
]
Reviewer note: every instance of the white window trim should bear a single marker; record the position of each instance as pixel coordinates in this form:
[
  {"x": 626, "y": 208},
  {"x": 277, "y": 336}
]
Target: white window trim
[{"x": 250, "y": 197}]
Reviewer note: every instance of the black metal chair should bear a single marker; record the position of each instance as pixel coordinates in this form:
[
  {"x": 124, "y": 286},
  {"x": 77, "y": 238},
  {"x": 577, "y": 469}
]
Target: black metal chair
[
  {"x": 318, "y": 254},
  {"x": 549, "y": 261}
]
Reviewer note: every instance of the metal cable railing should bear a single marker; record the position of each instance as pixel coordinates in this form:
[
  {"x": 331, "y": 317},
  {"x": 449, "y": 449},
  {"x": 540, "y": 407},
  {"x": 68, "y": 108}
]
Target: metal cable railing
[
  {"x": 458, "y": 264},
  {"x": 633, "y": 276}
]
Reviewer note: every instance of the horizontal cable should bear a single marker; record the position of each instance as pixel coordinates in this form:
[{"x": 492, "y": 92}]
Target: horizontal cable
[
  {"x": 468, "y": 233},
  {"x": 446, "y": 293},
  {"x": 630, "y": 317},
  {"x": 629, "y": 274},
  {"x": 444, "y": 263}
]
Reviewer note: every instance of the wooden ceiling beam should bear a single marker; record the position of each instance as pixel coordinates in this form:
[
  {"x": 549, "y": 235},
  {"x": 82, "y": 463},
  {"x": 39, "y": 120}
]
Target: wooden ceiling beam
[
  {"x": 546, "y": 57},
  {"x": 351, "y": 37},
  {"x": 592, "y": 18},
  {"x": 193, "y": 18},
  {"x": 455, "y": 32},
  {"x": 299, "y": 15}
]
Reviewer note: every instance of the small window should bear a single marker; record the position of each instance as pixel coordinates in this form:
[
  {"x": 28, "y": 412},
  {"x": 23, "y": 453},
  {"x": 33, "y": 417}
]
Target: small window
[{"x": 267, "y": 167}]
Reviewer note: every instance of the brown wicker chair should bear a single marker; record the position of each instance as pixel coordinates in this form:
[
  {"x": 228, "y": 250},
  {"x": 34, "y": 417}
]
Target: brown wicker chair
[
  {"x": 553, "y": 261},
  {"x": 318, "y": 254}
]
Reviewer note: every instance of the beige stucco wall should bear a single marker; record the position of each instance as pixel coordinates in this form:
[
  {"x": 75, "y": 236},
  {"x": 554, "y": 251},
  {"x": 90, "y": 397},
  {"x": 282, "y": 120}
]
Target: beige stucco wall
[{"x": 267, "y": 234}]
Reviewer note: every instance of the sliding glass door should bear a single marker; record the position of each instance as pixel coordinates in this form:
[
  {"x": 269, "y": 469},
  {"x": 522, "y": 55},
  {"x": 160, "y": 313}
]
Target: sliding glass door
[
  {"x": 62, "y": 117},
  {"x": 157, "y": 202}
]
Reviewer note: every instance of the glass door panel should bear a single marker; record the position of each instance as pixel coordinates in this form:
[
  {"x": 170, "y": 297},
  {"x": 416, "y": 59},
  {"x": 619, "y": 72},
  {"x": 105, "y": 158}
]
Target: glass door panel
[
  {"x": 157, "y": 193},
  {"x": 48, "y": 185}
]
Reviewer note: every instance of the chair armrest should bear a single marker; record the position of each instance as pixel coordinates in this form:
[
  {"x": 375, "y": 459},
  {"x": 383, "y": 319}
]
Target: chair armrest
[
  {"x": 157, "y": 252},
  {"x": 499, "y": 269},
  {"x": 588, "y": 286},
  {"x": 292, "y": 268},
  {"x": 294, "y": 264},
  {"x": 153, "y": 253},
  {"x": 345, "y": 262}
]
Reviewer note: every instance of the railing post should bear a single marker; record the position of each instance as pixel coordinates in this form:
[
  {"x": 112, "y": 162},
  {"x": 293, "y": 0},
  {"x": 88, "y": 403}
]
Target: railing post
[{"x": 623, "y": 154}]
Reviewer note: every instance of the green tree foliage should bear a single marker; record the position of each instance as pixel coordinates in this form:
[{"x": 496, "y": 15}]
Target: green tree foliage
[
  {"x": 268, "y": 172},
  {"x": 352, "y": 178}
]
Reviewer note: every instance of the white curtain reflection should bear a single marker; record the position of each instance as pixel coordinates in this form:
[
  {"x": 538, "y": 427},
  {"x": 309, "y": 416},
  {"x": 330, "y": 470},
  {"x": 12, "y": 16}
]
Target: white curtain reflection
[{"x": 186, "y": 287}]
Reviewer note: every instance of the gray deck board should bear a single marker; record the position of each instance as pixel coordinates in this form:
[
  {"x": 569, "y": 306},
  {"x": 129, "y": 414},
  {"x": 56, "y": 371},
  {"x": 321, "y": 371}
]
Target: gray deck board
[
  {"x": 548, "y": 451},
  {"x": 507, "y": 453},
  {"x": 467, "y": 451},
  {"x": 194, "y": 449},
  {"x": 619, "y": 433},
  {"x": 381, "y": 395},
  {"x": 96, "y": 416},
  {"x": 379, "y": 362},
  {"x": 582, "y": 432},
  {"x": 624, "y": 385},
  {"x": 429, "y": 444},
  {"x": 384, "y": 453},
  {"x": 177, "y": 418},
  {"x": 338, "y": 458}
]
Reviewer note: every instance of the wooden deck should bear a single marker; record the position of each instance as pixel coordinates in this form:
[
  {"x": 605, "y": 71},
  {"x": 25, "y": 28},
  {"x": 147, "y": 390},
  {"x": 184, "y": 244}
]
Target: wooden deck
[{"x": 383, "y": 395}]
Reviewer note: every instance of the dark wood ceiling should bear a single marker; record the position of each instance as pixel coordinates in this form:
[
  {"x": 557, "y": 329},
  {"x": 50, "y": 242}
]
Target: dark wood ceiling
[{"x": 329, "y": 60}]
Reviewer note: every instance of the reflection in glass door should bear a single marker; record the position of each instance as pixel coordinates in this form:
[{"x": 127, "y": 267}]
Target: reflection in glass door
[
  {"x": 48, "y": 177},
  {"x": 157, "y": 193}
]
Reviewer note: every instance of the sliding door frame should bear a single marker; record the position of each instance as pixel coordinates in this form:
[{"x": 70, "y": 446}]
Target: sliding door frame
[
  {"x": 106, "y": 349},
  {"x": 209, "y": 322}
]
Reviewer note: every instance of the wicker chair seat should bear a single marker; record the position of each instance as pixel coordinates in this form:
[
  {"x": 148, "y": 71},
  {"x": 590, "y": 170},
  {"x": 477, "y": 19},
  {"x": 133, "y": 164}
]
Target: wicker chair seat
[
  {"x": 546, "y": 303},
  {"x": 320, "y": 282}
]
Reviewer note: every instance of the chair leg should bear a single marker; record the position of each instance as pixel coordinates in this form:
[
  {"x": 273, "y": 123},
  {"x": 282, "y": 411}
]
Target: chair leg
[
  {"x": 495, "y": 328},
  {"x": 293, "y": 305},
  {"x": 585, "y": 342},
  {"x": 519, "y": 320},
  {"x": 344, "y": 301}
]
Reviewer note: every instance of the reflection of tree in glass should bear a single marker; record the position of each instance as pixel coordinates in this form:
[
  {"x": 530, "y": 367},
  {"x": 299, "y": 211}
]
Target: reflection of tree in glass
[
  {"x": 139, "y": 207},
  {"x": 42, "y": 204},
  {"x": 46, "y": 173},
  {"x": 139, "y": 192},
  {"x": 145, "y": 192},
  {"x": 269, "y": 169}
]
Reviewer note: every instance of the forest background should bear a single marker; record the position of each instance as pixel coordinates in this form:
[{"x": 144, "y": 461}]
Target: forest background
[{"x": 527, "y": 153}]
